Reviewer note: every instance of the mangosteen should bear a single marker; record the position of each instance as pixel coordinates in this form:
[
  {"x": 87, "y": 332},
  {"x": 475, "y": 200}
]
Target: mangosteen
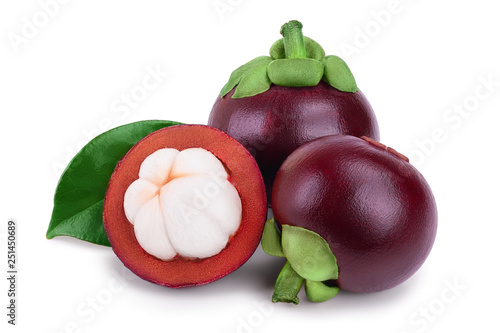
[
  {"x": 353, "y": 214},
  {"x": 185, "y": 206},
  {"x": 274, "y": 104}
]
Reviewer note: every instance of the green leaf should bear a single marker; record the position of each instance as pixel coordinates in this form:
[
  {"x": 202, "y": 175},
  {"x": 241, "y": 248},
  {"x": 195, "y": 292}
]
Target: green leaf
[
  {"x": 241, "y": 71},
  {"x": 85, "y": 225},
  {"x": 338, "y": 75},
  {"x": 271, "y": 240},
  {"x": 313, "y": 49},
  {"x": 319, "y": 292},
  {"x": 287, "y": 285},
  {"x": 298, "y": 72},
  {"x": 254, "y": 81},
  {"x": 78, "y": 201},
  {"x": 309, "y": 254}
]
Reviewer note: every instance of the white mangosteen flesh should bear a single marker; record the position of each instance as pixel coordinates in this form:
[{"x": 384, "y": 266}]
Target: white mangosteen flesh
[{"x": 182, "y": 204}]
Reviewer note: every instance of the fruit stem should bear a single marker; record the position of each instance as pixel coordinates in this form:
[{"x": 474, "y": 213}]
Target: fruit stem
[
  {"x": 287, "y": 285},
  {"x": 293, "y": 40}
]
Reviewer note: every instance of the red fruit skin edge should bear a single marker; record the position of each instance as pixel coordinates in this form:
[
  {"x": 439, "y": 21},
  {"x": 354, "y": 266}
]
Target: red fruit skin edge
[{"x": 244, "y": 175}]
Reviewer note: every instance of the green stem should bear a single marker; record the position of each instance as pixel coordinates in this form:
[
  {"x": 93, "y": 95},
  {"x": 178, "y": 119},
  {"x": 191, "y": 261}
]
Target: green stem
[
  {"x": 293, "y": 40},
  {"x": 287, "y": 285}
]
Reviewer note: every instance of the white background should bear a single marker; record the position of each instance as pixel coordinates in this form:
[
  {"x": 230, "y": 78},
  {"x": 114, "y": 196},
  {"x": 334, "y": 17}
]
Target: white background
[{"x": 63, "y": 83}]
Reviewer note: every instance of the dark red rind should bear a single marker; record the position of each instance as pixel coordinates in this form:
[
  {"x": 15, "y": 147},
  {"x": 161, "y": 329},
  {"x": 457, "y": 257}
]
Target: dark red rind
[
  {"x": 244, "y": 175},
  {"x": 375, "y": 210},
  {"x": 271, "y": 125}
]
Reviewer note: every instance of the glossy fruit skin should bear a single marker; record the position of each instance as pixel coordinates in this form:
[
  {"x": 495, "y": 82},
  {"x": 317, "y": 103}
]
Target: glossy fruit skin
[
  {"x": 375, "y": 210},
  {"x": 244, "y": 175},
  {"x": 271, "y": 125}
]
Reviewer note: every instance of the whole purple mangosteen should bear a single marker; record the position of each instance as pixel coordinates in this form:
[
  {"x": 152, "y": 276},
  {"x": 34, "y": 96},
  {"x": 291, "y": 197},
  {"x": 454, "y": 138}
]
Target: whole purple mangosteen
[
  {"x": 353, "y": 214},
  {"x": 274, "y": 104}
]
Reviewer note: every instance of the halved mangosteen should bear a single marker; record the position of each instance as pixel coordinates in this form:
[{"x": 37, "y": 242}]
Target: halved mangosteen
[{"x": 185, "y": 206}]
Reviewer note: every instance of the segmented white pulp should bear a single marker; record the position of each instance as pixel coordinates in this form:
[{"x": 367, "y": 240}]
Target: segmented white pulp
[{"x": 182, "y": 204}]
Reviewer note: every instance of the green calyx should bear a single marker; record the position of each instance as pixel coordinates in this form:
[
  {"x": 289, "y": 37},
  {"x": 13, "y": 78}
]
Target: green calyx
[
  {"x": 309, "y": 260},
  {"x": 294, "y": 61}
]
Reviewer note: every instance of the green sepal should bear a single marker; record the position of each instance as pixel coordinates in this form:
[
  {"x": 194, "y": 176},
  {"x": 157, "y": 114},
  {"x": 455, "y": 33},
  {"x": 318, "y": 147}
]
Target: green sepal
[
  {"x": 319, "y": 292},
  {"x": 250, "y": 68},
  {"x": 338, "y": 75},
  {"x": 298, "y": 72},
  {"x": 313, "y": 49},
  {"x": 309, "y": 254},
  {"x": 295, "y": 61},
  {"x": 254, "y": 82},
  {"x": 287, "y": 285},
  {"x": 271, "y": 240}
]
